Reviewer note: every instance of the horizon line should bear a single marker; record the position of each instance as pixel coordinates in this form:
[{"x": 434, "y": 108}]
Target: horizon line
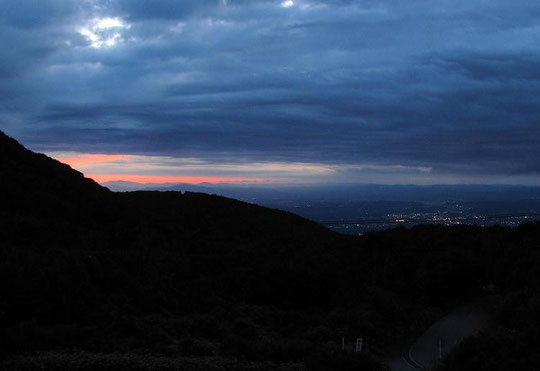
[{"x": 209, "y": 180}]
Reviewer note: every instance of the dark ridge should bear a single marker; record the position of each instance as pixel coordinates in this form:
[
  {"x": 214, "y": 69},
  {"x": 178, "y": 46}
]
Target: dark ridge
[
  {"x": 50, "y": 199},
  {"x": 47, "y": 201},
  {"x": 92, "y": 279},
  {"x": 26, "y": 170}
]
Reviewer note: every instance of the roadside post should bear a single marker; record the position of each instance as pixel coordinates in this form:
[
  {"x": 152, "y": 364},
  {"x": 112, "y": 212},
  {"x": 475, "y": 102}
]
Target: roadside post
[{"x": 359, "y": 342}]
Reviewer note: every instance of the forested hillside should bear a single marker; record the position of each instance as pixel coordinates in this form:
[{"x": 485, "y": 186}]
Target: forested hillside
[{"x": 92, "y": 279}]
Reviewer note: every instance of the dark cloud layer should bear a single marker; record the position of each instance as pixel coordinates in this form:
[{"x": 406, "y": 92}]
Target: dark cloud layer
[{"x": 449, "y": 86}]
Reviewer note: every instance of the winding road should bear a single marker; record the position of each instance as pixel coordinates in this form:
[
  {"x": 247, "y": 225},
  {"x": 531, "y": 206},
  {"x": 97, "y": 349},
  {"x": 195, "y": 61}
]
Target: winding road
[{"x": 441, "y": 337}]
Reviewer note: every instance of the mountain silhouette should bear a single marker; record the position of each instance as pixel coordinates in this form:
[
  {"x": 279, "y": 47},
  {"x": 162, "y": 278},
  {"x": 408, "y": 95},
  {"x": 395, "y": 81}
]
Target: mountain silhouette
[
  {"x": 93, "y": 279},
  {"x": 28, "y": 177},
  {"x": 45, "y": 195}
]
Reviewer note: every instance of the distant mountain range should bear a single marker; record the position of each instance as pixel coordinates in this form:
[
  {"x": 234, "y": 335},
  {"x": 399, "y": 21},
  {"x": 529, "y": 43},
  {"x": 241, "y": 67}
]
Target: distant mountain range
[
  {"x": 358, "y": 192},
  {"x": 357, "y": 208}
]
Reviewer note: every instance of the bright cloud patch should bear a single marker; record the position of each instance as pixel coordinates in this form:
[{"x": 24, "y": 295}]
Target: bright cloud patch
[
  {"x": 104, "y": 32},
  {"x": 106, "y": 23},
  {"x": 287, "y": 3}
]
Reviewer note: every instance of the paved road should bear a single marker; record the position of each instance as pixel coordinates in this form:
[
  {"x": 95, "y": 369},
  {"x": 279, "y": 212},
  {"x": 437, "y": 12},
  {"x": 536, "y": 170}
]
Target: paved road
[{"x": 440, "y": 338}]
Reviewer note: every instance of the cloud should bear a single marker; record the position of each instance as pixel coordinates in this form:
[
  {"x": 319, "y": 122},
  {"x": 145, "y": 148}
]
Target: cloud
[
  {"x": 126, "y": 167},
  {"x": 341, "y": 84},
  {"x": 84, "y": 160},
  {"x": 165, "y": 169}
]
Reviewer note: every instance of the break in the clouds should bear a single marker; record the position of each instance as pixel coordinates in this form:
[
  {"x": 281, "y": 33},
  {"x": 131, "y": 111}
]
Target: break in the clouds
[{"x": 285, "y": 91}]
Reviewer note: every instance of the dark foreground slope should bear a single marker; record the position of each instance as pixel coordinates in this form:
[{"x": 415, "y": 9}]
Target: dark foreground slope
[
  {"x": 166, "y": 273},
  {"x": 44, "y": 193},
  {"x": 91, "y": 279}
]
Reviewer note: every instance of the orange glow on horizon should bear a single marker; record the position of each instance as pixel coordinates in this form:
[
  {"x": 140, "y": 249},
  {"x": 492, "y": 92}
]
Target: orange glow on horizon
[
  {"x": 102, "y": 178},
  {"x": 88, "y": 158}
]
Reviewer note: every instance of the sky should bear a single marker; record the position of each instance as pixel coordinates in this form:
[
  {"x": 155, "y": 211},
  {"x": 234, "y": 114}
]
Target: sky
[{"x": 273, "y": 91}]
